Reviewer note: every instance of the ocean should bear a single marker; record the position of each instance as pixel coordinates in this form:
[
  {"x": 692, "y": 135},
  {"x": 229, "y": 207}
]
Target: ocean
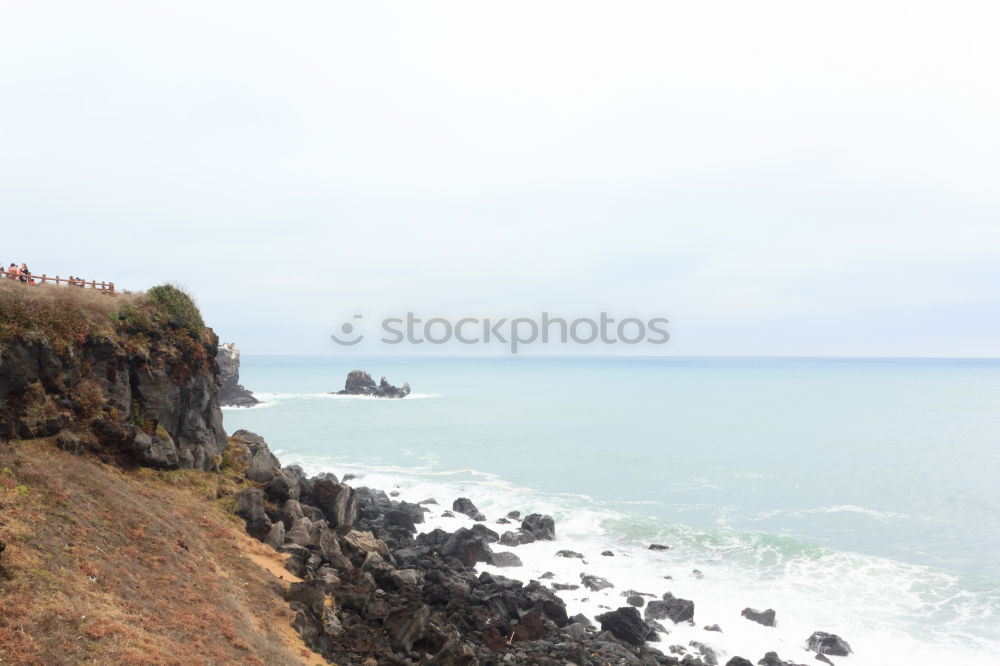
[{"x": 853, "y": 496}]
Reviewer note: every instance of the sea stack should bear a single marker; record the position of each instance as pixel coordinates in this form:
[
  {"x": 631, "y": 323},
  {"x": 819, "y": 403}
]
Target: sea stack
[
  {"x": 360, "y": 382},
  {"x": 231, "y": 393}
]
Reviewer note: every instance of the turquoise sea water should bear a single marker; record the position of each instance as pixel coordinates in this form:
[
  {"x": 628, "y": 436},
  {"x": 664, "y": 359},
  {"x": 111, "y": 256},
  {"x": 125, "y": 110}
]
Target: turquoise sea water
[{"x": 867, "y": 482}]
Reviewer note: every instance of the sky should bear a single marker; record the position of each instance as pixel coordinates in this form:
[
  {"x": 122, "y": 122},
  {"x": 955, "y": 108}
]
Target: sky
[{"x": 775, "y": 178}]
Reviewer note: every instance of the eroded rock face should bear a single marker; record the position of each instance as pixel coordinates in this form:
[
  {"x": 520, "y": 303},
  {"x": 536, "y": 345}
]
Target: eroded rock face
[
  {"x": 360, "y": 382},
  {"x": 149, "y": 396},
  {"x": 231, "y": 392}
]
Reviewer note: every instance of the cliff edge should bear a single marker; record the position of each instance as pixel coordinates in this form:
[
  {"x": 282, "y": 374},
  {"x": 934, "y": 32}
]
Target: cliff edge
[{"x": 132, "y": 376}]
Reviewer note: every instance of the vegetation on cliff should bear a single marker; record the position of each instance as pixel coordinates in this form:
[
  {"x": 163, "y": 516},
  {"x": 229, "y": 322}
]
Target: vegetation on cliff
[{"x": 133, "y": 374}]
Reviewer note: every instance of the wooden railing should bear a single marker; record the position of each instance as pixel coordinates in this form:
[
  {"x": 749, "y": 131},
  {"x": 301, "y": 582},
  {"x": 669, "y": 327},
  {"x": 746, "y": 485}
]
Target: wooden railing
[{"x": 105, "y": 287}]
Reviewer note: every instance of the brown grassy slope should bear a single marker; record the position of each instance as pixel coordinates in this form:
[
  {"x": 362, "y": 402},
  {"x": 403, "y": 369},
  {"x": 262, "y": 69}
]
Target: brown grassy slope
[{"x": 131, "y": 567}]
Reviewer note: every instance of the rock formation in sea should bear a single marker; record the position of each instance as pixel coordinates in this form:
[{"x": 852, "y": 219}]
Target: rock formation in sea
[
  {"x": 231, "y": 392},
  {"x": 360, "y": 382}
]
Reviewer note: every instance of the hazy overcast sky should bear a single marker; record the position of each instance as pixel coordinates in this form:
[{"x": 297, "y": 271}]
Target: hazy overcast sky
[{"x": 775, "y": 177}]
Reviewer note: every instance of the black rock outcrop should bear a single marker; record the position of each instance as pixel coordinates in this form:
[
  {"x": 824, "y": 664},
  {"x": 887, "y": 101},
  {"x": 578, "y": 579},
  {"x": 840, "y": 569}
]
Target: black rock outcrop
[{"x": 360, "y": 382}]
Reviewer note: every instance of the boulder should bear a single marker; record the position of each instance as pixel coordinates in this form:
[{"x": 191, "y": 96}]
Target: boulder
[
  {"x": 505, "y": 559},
  {"x": 464, "y": 505},
  {"x": 671, "y": 608},
  {"x": 709, "y": 656},
  {"x": 250, "y": 507},
  {"x": 635, "y": 600},
  {"x": 517, "y": 538},
  {"x": 569, "y": 553},
  {"x": 772, "y": 659},
  {"x": 467, "y": 547},
  {"x": 658, "y": 546},
  {"x": 542, "y": 527},
  {"x": 625, "y": 624},
  {"x": 766, "y": 618},
  {"x": 739, "y": 661},
  {"x": 276, "y": 535},
  {"x": 263, "y": 464},
  {"x": 338, "y": 502},
  {"x": 406, "y": 625},
  {"x": 595, "y": 583},
  {"x": 489, "y": 535},
  {"x": 824, "y": 643}
]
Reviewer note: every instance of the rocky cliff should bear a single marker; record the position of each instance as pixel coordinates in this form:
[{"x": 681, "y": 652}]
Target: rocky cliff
[
  {"x": 231, "y": 392},
  {"x": 132, "y": 376}
]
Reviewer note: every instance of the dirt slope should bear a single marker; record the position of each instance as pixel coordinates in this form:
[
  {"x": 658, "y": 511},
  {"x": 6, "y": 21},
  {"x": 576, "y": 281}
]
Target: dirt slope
[{"x": 104, "y": 565}]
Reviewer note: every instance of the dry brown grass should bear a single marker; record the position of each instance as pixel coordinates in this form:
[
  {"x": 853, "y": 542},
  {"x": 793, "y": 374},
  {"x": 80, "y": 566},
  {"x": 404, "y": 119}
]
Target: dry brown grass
[
  {"x": 130, "y": 567},
  {"x": 61, "y": 315}
]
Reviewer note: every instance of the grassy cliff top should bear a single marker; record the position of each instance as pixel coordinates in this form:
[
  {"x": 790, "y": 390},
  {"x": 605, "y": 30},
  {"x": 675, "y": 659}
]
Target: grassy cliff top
[{"x": 62, "y": 317}]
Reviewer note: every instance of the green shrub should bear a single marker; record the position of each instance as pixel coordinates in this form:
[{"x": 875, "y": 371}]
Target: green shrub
[{"x": 177, "y": 306}]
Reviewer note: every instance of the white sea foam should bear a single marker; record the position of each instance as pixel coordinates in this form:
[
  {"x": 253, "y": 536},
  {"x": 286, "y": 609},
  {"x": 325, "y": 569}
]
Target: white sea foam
[
  {"x": 272, "y": 399},
  {"x": 841, "y": 508},
  {"x": 869, "y": 601}
]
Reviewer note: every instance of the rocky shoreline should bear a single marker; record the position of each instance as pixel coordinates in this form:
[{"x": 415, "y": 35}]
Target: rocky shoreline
[{"x": 379, "y": 590}]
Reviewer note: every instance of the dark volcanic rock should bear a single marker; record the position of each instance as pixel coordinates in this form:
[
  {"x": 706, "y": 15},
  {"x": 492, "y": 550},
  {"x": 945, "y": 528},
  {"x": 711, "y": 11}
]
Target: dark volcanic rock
[
  {"x": 739, "y": 661},
  {"x": 263, "y": 464},
  {"x": 467, "y": 547},
  {"x": 505, "y": 559},
  {"x": 706, "y": 651},
  {"x": 517, "y": 538},
  {"x": 464, "y": 505},
  {"x": 671, "y": 608},
  {"x": 542, "y": 527},
  {"x": 569, "y": 553},
  {"x": 406, "y": 625},
  {"x": 625, "y": 624},
  {"x": 360, "y": 382},
  {"x": 595, "y": 583},
  {"x": 338, "y": 502},
  {"x": 489, "y": 535},
  {"x": 766, "y": 618},
  {"x": 250, "y": 507},
  {"x": 159, "y": 408},
  {"x": 772, "y": 659},
  {"x": 658, "y": 546},
  {"x": 825, "y": 643},
  {"x": 231, "y": 393}
]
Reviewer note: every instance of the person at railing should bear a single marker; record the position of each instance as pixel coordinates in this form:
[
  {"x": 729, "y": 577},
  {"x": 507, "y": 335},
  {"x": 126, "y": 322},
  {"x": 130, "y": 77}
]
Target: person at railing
[
  {"x": 26, "y": 275},
  {"x": 13, "y": 272}
]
